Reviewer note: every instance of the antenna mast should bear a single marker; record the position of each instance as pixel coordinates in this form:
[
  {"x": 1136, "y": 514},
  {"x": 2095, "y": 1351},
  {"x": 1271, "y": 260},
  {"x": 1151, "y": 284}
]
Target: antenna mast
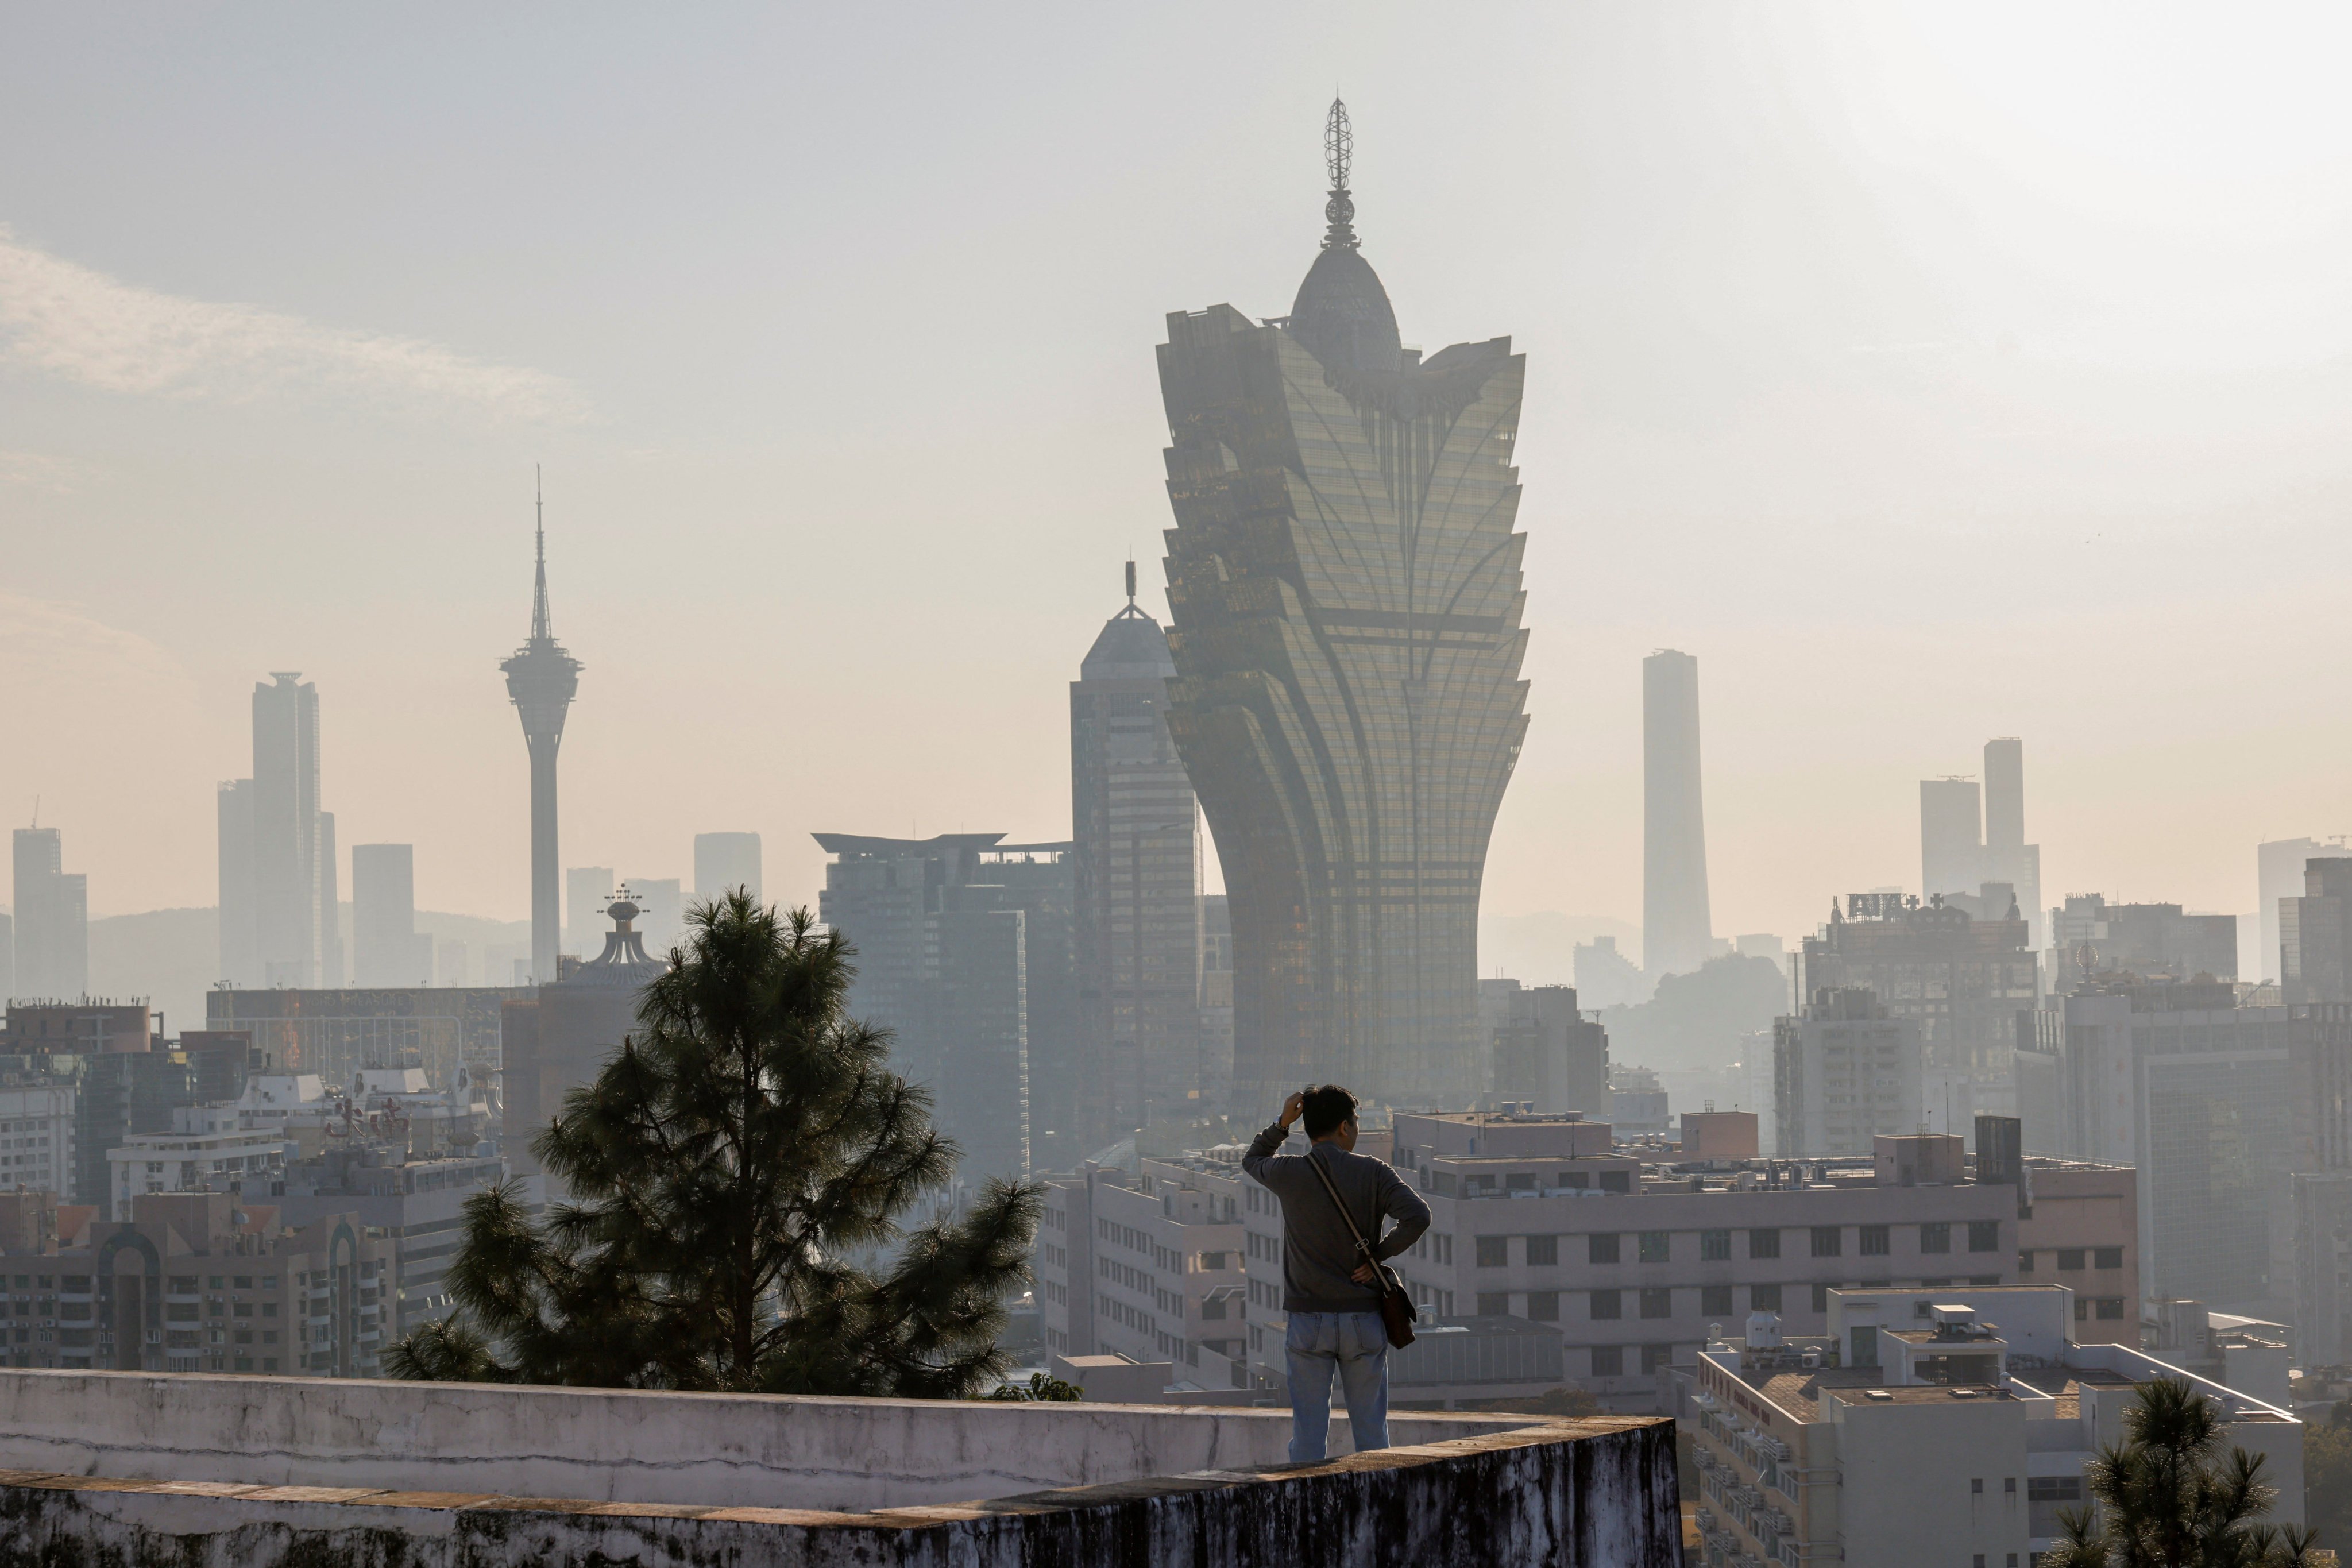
[
  {"x": 1338, "y": 153},
  {"x": 541, "y": 630}
]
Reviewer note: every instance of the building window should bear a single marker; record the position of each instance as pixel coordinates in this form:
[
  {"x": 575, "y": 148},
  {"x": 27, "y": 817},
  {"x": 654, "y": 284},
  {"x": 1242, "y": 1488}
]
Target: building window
[
  {"x": 1608, "y": 1304},
  {"x": 1601, "y": 1248},
  {"x": 2082, "y": 1309},
  {"x": 1654, "y": 1248},
  {"x": 1658, "y": 1302},
  {"x": 1763, "y": 1298},
  {"x": 2009, "y": 1486},
  {"x": 1984, "y": 1235},
  {"x": 1976, "y": 1489},
  {"x": 1714, "y": 1247},
  {"x": 1608, "y": 1360},
  {"x": 1494, "y": 1251},
  {"x": 2070, "y": 1261},
  {"x": 2107, "y": 1257},
  {"x": 1936, "y": 1235},
  {"x": 1828, "y": 1240},
  {"x": 2025, "y": 1263},
  {"x": 1543, "y": 1251},
  {"x": 1616, "y": 1181},
  {"x": 1763, "y": 1244},
  {"x": 1821, "y": 1298},
  {"x": 1876, "y": 1240},
  {"x": 1714, "y": 1301},
  {"x": 1543, "y": 1305},
  {"x": 1494, "y": 1303},
  {"x": 2111, "y": 1307},
  {"x": 2053, "y": 1489},
  {"x": 1656, "y": 1356}
]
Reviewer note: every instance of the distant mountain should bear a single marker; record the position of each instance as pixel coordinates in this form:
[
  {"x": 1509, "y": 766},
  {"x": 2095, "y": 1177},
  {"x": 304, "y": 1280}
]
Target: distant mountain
[{"x": 1540, "y": 949}]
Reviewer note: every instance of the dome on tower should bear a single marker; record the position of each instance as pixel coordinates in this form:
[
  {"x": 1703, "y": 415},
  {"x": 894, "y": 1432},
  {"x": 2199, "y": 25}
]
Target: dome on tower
[{"x": 1342, "y": 315}]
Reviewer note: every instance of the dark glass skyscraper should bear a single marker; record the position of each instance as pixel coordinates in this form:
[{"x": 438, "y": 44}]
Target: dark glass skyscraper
[
  {"x": 1138, "y": 831},
  {"x": 1344, "y": 588}
]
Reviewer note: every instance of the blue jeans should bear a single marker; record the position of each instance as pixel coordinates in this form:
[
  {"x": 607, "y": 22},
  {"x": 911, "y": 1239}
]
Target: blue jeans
[{"x": 1355, "y": 1344}]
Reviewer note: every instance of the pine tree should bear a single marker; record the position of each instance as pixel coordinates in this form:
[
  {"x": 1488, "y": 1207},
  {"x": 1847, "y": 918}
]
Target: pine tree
[
  {"x": 733, "y": 1167},
  {"x": 2170, "y": 1497}
]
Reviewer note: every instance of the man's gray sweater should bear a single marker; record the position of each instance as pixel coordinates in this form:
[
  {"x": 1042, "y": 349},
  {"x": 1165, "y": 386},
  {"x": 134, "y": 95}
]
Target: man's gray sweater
[{"x": 1317, "y": 1252}]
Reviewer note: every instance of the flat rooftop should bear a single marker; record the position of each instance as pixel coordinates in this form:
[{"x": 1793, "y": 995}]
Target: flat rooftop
[{"x": 1930, "y": 1394}]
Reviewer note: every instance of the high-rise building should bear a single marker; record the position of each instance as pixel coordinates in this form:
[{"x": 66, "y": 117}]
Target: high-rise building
[
  {"x": 1961, "y": 980},
  {"x": 724, "y": 862},
  {"x": 587, "y": 889},
  {"x": 331, "y": 907},
  {"x": 240, "y": 899},
  {"x": 982, "y": 1008},
  {"x": 542, "y": 680},
  {"x": 1677, "y": 929},
  {"x": 288, "y": 911},
  {"x": 1951, "y": 852},
  {"x": 2316, "y": 934},
  {"x": 1844, "y": 1071},
  {"x": 383, "y": 918},
  {"x": 1547, "y": 1056},
  {"x": 2155, "y": 942},
  {"x": 1344, "y": 582},
  {"x": 1136, "y": 828},
  {"x": 52, "y": 919},
  {"x": 2219, "y": 1107},
  {"x": 2278, "y": 871},
  {"x": 1217, "y": 1001},
  {"x": 557, "y": 1036},
  {"x": 2008, "y": 857}
]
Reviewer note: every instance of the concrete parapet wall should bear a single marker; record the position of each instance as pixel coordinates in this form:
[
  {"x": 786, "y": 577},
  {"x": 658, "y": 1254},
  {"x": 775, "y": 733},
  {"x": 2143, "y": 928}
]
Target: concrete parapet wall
[
  {"x": 1597, "y": 1491},
  {"x": 617, "y": 1444}
]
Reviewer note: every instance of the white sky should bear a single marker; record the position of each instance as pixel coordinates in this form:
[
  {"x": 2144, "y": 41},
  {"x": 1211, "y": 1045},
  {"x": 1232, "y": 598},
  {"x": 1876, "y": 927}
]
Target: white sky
[{"x": 1930, "y": 372}]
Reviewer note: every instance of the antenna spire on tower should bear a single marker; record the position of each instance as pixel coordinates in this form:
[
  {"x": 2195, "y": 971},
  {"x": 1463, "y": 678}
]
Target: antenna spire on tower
[
  {"x": 540, "y": 629},
  {"x": 1130, "y": 585},
  {"x": 1338, "y": 153}
]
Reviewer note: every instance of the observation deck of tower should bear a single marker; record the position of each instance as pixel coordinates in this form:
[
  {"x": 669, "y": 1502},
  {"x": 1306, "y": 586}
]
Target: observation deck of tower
[
  {"x": 542, "y": 680},
  {"x": 1345, "y": 601}
]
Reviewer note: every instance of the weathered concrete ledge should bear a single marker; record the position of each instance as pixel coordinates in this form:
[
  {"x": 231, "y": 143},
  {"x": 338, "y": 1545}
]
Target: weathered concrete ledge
[
  {"x": 1590, "y": 1492},
  {"x": 626, "y": 1445}
]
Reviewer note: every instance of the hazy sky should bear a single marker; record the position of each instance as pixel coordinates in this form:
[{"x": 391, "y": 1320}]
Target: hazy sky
[{"x": 1931, "y": 372}]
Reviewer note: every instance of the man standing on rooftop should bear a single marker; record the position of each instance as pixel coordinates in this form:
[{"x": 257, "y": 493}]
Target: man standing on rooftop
[{"x": 1330, "y": 1292}]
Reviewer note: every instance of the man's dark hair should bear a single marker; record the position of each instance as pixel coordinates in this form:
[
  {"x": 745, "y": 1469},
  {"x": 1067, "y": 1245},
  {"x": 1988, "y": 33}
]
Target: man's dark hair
[{"x": 1329, "y": 1108}]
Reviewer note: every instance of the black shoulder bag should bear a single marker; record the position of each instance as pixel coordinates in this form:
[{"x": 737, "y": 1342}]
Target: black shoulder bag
[{"x": 1396, "y": 1307}]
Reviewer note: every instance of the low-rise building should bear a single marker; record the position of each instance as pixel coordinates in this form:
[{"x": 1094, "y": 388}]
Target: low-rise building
[
  {"x": 1939, "y": 1426},
  {"x": 2078, "y": 1225},
  {"x": 208, "y": 1150},
  {"x": 417, "y": 1205},
  {"x": 1547, "y": 1220},
  {"x": 1168, "y": 1278}
]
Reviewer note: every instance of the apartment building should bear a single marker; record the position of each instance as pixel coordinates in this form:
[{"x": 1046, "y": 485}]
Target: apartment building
[
  {"x": 36, "y": 1139},
  {"x": 1845, "y": 1071},
  {"x": 208, "y": 1148},
  {"x": 1148, "y": 1266},
  {"x": 2078, "y": 1225},
  {"x": 1634, "y": 1266},
  {"x": 197, "y": 1282},
  {"x": 1946, "y": 1425}
]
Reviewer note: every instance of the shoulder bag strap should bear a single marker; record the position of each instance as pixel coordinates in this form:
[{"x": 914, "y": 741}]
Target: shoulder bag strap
[{"x": 1361, "y": 1245}]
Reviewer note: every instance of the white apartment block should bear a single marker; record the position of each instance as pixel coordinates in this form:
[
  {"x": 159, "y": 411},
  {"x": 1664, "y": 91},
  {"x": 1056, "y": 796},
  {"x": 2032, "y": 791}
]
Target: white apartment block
[
  {"x": 1148, "y": 1266},
  {"x": 1948, "y": 1425},
  {"x": 207, "y": 1151},
  {"x": 36, "y": 1139}
]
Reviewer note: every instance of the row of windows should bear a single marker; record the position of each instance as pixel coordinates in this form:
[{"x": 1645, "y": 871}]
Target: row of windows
[
  {"x": 1714, "y": 1301},
  {"x": 1714, "y": 1245},
  {"x": 2071, "y": 1259}
]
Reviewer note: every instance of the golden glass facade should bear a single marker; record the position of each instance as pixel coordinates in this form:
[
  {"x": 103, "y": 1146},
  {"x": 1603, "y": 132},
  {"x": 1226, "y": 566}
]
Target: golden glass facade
[{"x": 1345, "y": 587}]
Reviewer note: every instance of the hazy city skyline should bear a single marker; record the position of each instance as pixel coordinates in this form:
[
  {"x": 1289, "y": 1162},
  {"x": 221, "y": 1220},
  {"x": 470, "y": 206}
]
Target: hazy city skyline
[{"x": 1870, "y": 347}]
